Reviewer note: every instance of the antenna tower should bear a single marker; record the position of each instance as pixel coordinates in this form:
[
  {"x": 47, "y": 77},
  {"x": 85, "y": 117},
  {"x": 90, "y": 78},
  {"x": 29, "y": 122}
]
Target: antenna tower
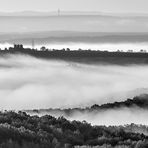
[
  {"x": 32, "y": 43},
  {"x": 59, "y": 12}
]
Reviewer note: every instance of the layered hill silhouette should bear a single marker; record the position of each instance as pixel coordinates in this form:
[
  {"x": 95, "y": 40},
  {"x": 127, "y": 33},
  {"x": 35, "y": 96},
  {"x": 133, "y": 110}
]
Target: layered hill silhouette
[
  {"x": 138, "y": 101},
  {"x": 89, "y": 56}
]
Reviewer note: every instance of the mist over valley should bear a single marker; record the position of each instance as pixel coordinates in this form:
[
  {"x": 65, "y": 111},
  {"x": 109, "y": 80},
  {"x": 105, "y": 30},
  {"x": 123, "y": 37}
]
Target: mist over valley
[{"x": 29, "y": 83}]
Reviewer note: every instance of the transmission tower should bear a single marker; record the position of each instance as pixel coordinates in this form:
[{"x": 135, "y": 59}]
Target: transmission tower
[
  {"x": 32, "y": 43},
  {"x": 59, "y": 12}
]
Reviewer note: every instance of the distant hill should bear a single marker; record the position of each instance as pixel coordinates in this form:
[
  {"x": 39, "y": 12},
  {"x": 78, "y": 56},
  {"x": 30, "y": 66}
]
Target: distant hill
[
  {"x": 61, "y": 12},
  {"x": 139, "y": 101},
  {"x": 73, "y": 37},
  {"x": 21, "y": 22},
  {"x": 83, "y": 56}
]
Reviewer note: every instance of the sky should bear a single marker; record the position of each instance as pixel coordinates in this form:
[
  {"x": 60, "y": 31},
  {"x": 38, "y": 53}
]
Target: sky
[{"x": 113, "y": 6}]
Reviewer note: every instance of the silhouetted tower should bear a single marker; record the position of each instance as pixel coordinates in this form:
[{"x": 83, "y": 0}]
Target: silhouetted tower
[{"x": 58, "y": 12}]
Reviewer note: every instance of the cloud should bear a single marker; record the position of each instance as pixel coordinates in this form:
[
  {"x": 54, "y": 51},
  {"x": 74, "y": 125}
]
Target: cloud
[
  {"x": 117, "y": 113},
  {"x": 30, "y": 83},
  {"x": 120, "y": 116}
]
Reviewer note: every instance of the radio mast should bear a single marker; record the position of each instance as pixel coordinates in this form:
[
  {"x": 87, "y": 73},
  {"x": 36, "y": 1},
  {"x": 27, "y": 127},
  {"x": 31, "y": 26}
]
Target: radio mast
[
  {"x": 59, "y": 12},
  {"x": 32, "y": 43}
]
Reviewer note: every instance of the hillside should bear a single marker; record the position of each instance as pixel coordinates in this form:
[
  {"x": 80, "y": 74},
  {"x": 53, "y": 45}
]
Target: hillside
[
  {"x": 24, "y": 131},
  {"x": 82, "y": 56},
  {"x": 140, "y": 102}
]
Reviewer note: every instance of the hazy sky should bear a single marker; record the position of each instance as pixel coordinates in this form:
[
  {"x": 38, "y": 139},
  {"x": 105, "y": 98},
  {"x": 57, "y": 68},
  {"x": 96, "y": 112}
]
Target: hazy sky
[{"x": 120, "y": 6}]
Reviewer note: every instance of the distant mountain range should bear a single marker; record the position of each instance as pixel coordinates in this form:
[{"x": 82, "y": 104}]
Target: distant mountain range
[
  {"x": 82, "y": 27},
  {"x": 60, "y": 12},
  {"x": 67, "y": 37},
  {"x": 28, "y": 21}
]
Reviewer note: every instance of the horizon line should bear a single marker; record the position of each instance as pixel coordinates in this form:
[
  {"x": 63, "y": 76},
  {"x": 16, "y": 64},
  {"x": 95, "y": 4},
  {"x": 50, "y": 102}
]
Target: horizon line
[{"x": 72, "y": 12}]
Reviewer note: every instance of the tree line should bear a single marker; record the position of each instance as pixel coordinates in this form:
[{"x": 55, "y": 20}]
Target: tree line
[{"x": 20, "y": 130}]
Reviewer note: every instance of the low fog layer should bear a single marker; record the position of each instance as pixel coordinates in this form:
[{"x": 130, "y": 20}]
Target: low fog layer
[
  {"x": 115, "y": 116},
  {"x": 85, "y": 46},
  {"x": 30, "y": 83},
  {"x": 117, "y": 113},
  {"x": 76, "y": 40},
  {"x": 120, "y": 116}
]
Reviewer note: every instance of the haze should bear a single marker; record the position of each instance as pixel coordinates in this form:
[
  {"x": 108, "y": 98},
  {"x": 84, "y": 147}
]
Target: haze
[
  {"x": 113, "y": 6},
  {"x": 73, "y": 24},
  {"x": 30, "y": 83}
]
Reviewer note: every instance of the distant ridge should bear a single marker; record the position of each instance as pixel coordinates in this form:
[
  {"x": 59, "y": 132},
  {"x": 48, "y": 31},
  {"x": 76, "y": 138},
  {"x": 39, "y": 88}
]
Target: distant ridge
[
  {"x": 137, "y": 102},
  {"x": 53, "y": 13}
]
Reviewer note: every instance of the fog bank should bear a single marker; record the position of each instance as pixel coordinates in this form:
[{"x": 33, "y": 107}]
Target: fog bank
[
  {"x": 30, "y": 83},
  {"x": 120, "y": 116}
]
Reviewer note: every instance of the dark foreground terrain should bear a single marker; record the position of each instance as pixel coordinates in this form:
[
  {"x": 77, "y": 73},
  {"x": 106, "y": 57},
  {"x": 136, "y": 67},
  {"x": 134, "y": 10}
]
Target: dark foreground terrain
[{"x": 19, "y": 130}]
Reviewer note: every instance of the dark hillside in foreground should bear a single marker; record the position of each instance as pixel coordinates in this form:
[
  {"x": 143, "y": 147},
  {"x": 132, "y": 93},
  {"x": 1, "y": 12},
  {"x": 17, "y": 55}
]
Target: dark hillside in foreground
[
  {"x": 83, "y": 56},
  {"x": 19, "y": 130}
]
